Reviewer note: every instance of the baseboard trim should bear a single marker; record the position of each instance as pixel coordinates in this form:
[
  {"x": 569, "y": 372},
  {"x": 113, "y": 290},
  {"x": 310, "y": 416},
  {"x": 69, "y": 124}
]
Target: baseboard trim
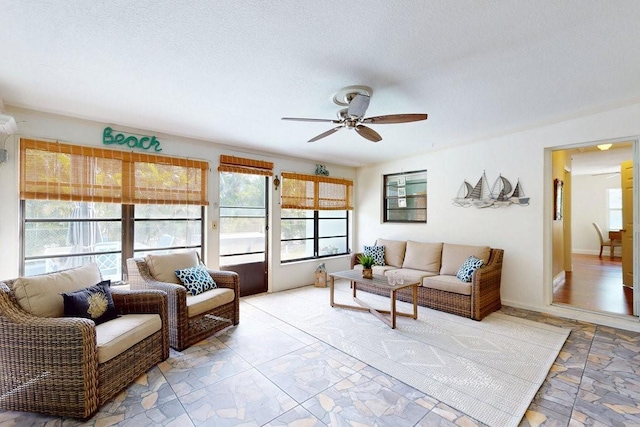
[{"x": 586, "y": 252}]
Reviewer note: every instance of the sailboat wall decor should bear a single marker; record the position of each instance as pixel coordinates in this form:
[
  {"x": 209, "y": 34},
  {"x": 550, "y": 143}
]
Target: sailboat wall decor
[{"x": 501, "y": 194}]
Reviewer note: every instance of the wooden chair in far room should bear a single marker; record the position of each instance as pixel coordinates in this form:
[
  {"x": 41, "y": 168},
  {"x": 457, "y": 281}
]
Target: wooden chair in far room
[{"x": 612, "y": 243}]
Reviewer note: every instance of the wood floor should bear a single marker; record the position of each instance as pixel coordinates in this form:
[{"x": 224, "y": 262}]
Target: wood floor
[{"x": 595, "y": 284}]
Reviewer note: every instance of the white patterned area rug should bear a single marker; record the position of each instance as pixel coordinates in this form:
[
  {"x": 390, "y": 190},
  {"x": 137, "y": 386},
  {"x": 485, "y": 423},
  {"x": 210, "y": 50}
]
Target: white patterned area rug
[{"x": 490, "y": 370}]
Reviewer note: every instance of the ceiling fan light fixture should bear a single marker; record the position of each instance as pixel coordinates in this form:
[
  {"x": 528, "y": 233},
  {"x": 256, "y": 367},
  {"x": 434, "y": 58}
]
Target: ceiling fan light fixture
[
  {"x": 344, "y": 96},
  {"x": 356, "y": 100},
  {"x": 604, "y": 147}
]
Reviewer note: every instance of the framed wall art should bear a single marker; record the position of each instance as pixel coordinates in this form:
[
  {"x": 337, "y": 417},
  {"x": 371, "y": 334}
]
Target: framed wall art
[{"x": 557, "y": 199}]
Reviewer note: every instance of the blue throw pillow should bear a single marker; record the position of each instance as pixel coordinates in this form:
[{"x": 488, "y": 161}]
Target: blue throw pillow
[
  {"x": 468, "y": 268},
  {"x": 95, "y": 303},
  {"x": 196, "y": 279},
  {"x": 377, "y": 252}
]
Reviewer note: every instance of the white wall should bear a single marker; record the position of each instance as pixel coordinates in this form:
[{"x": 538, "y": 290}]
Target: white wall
[
  {"x": 523, "y": 232},
  {"x": 34, "y": 124},
  {"x": 590, "y": 205}
]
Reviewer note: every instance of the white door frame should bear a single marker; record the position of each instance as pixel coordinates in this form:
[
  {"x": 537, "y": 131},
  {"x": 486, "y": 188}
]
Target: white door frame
[
  {"x": 636, "y": 230},
  {"x": 635, "y": 140}
]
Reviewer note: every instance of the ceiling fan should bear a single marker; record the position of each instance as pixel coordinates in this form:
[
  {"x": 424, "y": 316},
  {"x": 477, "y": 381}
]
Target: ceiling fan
[{"x": 356, "y": 100}]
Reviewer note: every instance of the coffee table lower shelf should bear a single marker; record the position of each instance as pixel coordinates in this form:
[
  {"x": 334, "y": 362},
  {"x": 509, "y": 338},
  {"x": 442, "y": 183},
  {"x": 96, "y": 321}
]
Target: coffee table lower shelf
[{"x": 387, "y": 316}]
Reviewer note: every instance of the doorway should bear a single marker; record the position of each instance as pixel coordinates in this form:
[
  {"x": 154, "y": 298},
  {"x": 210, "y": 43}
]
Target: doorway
[
  {"x": 243, "y": 229},
  {"x": 582, "y": 278}
]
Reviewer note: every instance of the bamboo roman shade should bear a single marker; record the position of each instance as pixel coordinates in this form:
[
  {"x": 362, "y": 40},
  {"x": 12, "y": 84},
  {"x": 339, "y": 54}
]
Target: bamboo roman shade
[
  {"x": 57, "y": 171},
  {"x": 315, "y": 192},
  {"x": 242, "y": 165}
]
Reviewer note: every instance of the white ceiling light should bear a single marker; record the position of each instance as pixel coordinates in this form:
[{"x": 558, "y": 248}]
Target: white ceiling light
[{"x": 604, "y": 147}]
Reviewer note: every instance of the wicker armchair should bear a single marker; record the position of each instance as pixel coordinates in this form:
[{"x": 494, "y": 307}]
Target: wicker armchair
[
  {"x": 185, "y": 330},
  {"x": 50, "y": 365}
]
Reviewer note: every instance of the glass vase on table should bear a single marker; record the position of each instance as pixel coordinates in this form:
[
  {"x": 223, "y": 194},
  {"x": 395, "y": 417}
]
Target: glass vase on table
[{"x": 395, "y": 279}]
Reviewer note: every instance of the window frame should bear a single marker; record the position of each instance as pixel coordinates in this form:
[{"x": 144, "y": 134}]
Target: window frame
[
  {"x": 316, "y": 238},
  {"x": 401, "y": 180}
]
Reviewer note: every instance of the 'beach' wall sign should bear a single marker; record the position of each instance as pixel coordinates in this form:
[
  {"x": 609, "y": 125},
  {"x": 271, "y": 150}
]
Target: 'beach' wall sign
[{"x": 131, "y": 141}]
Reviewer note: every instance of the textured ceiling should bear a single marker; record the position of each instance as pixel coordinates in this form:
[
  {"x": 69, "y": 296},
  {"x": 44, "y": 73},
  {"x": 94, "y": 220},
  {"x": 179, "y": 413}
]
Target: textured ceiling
[{"x": 226, "y": 71}]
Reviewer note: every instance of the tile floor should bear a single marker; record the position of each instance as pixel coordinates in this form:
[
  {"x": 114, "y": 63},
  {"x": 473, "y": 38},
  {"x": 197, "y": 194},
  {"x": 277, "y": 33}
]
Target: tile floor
[{"x": 266, "y": 373}]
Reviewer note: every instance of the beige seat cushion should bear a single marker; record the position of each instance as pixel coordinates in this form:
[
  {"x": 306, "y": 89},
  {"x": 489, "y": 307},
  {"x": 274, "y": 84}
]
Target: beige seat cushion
[
  {"x": 412, "y": 275},
  {"x": 423, "y": 256},
  {"x": 117, "y": 335},
  {"x": 201, "y": 303},
  {"x": 377, "y": 269},
  {"x": 40, "y": 295},
  {"x": 163, "y": 266},
  {"x": 393, "y": 251},
  {"x": 453, "y": 256},
  {"x": 383, "y": 269},
  {"x": 447, "y": 283}
]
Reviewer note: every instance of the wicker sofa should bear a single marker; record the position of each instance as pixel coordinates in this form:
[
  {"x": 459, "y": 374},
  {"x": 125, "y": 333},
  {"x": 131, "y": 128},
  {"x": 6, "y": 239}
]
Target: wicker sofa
[
  {"x": 435, "y": 266},
  {"x": 192, "y": 318},
  {"x": 69, "y": 366}
]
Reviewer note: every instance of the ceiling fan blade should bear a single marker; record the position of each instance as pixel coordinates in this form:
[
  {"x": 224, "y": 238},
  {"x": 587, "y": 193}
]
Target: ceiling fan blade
[
  {"x": 327, "y": 133},
  {"x": 395, "y": 118},
  {"x": 301, "y": 119},
  {"x": 368, "y": 133},
  {"x": 358, "y": 105}
]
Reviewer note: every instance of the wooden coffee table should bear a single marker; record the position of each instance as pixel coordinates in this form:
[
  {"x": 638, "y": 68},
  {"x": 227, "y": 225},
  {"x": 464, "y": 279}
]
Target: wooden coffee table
[{"x": 380, "y": 282}]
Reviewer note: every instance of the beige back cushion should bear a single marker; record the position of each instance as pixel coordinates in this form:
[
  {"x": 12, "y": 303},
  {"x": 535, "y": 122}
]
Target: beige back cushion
[
  {"x": 40, "y": 295},
  {"x": 423, "y": 256},
  {"x": 393, "y": 251},
  {"x": 454, "y": 255},
  {"x": 163, "y": 266}
]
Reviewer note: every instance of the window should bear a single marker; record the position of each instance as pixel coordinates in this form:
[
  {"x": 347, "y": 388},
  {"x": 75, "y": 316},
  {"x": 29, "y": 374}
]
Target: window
[
  {"x": 314, "y": 217},
  {"x": 166, "y": 227},
  {"x": 405, "y": 197},
  {"x": 614, "y": 205},
  {"x": 307, "y": 234},
  {"x": 83, "y": 204},
  {"x": 60, "y": 235}
]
